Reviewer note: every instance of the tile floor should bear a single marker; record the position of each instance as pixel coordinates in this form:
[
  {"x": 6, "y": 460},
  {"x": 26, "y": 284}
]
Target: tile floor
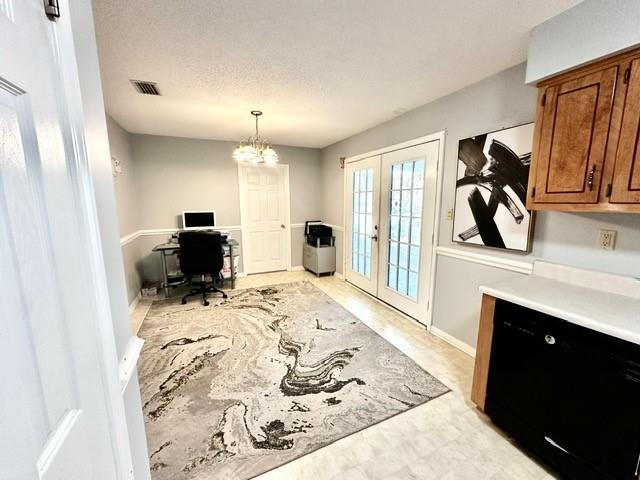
[{"x": 446, "y": 438}]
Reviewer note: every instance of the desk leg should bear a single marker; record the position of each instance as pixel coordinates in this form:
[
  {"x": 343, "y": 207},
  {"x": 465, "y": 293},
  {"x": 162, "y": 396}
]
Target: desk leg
[
  {"x": 165, "y": 275},
  {"x": 233, "y": 268}
]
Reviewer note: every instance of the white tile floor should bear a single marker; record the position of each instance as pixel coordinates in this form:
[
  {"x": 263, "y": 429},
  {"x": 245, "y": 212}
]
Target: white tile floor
[{"x": 446, "y": 438}]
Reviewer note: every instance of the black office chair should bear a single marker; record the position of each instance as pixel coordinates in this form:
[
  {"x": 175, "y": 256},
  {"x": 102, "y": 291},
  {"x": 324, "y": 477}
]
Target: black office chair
[{"x": 201, "y": 254}]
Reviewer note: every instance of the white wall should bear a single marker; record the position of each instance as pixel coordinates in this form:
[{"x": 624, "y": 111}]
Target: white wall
[
  {"x": 586, "y": 32},
  {"x": 502, "y": 100}
]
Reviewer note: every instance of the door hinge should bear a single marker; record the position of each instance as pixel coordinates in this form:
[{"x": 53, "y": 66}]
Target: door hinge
[
  {"x": 52, "y": 9},
  {"x": 609, "y": 189},
  {"x": 627, "y": 75},
  {"x": 543, "y": 102}
]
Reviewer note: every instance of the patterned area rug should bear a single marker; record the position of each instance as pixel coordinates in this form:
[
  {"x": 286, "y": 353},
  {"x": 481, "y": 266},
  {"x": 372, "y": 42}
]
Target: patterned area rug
[{"x": 249, "y": 383}]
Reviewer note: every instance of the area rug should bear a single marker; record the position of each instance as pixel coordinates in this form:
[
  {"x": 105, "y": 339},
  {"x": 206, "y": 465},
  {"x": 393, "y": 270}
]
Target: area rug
[{"x": 252, "y": 382}]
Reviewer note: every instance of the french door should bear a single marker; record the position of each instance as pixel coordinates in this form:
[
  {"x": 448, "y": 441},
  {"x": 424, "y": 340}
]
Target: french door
[
  {"x": 390, "y": 220},
  {"x": 363, "y": 194}
]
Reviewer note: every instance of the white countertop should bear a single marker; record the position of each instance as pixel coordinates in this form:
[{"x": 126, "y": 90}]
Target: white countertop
[{"x": 605, "y": 303}]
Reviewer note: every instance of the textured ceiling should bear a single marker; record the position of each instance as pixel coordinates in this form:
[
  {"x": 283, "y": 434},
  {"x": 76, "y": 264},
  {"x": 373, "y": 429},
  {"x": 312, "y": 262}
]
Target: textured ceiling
[{"x": 321, "y": 70}]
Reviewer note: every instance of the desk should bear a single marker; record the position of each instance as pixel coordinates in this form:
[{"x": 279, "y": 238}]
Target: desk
[{"x": 170, "y": 248}]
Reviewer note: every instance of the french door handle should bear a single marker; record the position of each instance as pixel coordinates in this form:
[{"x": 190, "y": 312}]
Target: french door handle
[{"x": 374, "y": 237}]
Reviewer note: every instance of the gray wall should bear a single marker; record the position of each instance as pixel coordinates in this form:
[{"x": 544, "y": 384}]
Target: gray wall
[
  {"x": 126, "y": 200},
  {"x": 590, "y": 30},
  {"x": 502, "y": 100},
  {"x": 166, "y": 175}
]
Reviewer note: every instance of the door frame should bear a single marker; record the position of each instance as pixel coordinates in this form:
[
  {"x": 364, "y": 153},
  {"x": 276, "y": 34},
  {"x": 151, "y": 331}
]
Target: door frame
[
  {"x": 88, "y": 151},
  {"x": 437, "y": 136},
  {"x": 287, "y": 224}
]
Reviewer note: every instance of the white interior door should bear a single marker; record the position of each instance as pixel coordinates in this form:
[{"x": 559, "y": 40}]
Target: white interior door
[
  {"x": 408, "y": 197},
  {"x": 264, "y": 212},
  {"x": 57, "y": 388},
  {"x": 362, "y": 213}
]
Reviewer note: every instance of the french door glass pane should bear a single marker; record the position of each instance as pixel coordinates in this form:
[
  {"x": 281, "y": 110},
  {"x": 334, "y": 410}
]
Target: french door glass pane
[
  {"x": 362, "y": 221},
  {"x": 402, "y": 281},
  {"x": 405, "y": 227},
  {"x": 393, "y": 253},
  {"x": 392, "y": 281}
]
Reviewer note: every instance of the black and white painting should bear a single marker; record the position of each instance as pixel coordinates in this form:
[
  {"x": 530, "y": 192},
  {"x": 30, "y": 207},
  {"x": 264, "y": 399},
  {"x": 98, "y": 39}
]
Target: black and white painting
[{"x": 491, "y": 189}]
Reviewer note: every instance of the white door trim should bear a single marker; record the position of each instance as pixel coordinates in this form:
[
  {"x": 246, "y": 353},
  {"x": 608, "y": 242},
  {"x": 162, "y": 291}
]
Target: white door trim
[
  {"x": 287, "y": 199},
  {"x": 440, "y": 137},
  {"x": 105, "y": 343}
]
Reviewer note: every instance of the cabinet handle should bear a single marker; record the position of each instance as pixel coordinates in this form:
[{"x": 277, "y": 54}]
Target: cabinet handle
[{"x": 592, "y": 174}]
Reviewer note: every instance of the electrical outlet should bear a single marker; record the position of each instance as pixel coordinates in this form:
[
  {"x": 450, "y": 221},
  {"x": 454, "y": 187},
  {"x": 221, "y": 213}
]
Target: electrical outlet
[
  {"x": 607, "y": 239},
  {"x": 450, "y": 214}
]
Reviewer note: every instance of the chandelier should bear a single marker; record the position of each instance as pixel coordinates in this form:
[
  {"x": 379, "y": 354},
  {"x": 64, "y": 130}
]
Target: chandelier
[{"x": 255, "y": 149}]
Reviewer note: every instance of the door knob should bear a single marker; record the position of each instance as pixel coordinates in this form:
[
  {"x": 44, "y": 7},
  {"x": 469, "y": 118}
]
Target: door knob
[{"x": 282, "y": 225}]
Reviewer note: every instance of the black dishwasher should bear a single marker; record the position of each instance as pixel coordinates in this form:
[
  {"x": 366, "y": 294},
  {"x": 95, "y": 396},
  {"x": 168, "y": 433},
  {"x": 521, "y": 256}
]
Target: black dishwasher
[{"x": 570, "y": 394}]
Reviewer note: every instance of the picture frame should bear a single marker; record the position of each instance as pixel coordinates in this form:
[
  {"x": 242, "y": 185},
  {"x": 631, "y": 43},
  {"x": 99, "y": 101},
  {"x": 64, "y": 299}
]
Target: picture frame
[{"x": 492, "y": 172}]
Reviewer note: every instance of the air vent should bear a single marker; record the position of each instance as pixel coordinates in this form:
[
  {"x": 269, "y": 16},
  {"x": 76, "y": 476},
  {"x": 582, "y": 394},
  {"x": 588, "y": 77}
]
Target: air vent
[{"x": 146, "y": 88}]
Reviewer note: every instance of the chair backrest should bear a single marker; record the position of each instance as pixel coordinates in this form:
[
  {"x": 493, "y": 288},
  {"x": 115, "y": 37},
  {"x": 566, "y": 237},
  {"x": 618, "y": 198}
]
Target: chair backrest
[{"x": 200, "y": 253}]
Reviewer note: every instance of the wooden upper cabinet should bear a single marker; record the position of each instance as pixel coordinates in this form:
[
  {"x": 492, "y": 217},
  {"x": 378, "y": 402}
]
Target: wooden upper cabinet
[
  {"x": 586, "y": 145},
  {"x": 626, "y": 176},
  {"x": 573, "y": 137}
]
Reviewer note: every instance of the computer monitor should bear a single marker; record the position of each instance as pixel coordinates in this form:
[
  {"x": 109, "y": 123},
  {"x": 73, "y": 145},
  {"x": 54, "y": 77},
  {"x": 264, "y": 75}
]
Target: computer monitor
[{"x": 198, "y": 220}]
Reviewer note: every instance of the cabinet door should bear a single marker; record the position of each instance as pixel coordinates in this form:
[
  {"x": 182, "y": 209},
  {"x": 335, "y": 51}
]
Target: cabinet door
[
  {"x": 626, "y": 177},
  {"x": 573, "y": 138}
]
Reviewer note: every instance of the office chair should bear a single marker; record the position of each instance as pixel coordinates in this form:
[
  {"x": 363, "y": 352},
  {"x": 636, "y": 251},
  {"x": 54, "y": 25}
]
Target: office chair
[{"x": 201, "y": 254}]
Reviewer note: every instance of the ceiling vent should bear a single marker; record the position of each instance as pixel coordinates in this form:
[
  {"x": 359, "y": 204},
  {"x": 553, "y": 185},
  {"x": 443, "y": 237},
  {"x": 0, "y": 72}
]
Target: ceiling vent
[{"x": 146, "y": 88}]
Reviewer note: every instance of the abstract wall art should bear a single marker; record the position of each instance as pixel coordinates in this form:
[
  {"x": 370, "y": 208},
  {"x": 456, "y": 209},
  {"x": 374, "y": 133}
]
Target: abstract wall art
[{"x": 491, "y": 189}]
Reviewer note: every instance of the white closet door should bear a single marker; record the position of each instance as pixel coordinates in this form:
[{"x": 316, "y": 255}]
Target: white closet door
[
  {"x": 408, "y": 196},
  {"x": 363, "y": 202},
  {"x": 265, "y": 220}
]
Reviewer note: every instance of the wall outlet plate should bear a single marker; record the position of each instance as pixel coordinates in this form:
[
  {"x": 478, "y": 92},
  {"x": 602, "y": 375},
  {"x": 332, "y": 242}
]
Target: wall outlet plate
[
  {"x": 607, "y": 239},
  {"x": 450, "y": 214}
]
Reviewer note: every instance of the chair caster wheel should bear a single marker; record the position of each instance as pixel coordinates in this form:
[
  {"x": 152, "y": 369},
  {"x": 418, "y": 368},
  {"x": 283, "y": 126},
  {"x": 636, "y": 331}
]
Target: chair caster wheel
[
  {"x": 205, "y": 303},
  {"x": 224, "y": 295},
  {"x": 184, "y": 302}
]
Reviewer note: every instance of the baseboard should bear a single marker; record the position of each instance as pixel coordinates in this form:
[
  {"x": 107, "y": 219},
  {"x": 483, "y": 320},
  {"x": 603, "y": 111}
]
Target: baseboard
[
  {"x": 338, "y": 275},
  {"x": 450, "y": 339},
  {"x": 134, "y": 303},
  {"x": 297, "y": 268}
]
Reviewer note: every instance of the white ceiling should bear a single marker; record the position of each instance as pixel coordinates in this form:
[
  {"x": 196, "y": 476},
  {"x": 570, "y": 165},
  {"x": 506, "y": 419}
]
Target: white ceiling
[{"x": 321, "y": 70}]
